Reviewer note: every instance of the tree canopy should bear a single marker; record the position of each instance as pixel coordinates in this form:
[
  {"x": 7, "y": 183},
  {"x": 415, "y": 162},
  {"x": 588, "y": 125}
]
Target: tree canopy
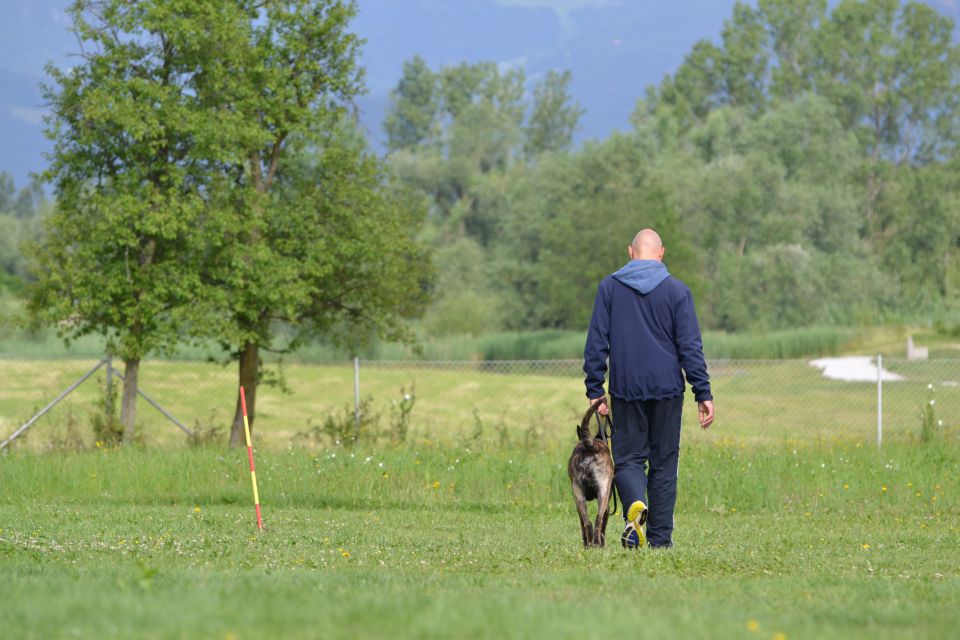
[
  {"x": 801, "y": 169},
  {"x": 211, "y": 185}
]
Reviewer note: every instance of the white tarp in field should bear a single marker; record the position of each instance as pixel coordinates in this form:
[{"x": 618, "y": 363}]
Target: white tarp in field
[{"x": 853, "y": 369}]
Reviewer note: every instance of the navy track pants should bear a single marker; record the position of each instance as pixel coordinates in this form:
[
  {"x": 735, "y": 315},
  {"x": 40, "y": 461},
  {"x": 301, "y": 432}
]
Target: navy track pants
[{"x": 646, "y": 454}]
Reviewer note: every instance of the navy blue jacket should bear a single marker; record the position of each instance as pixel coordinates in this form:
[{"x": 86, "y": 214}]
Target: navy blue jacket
[{"x": 644, "y": 320}]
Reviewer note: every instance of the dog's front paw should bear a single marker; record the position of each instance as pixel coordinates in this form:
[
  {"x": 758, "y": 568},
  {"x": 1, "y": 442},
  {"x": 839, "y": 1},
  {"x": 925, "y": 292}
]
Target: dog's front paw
[{"x": 588, "y": 535}]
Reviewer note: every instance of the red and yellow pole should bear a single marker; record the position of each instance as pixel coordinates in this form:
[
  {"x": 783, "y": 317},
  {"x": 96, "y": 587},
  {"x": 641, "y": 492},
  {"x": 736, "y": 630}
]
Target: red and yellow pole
[{"x": 253, "y": 473}]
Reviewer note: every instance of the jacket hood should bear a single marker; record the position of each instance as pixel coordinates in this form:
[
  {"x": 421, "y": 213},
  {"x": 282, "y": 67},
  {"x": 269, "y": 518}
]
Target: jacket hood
[{"x": 642, "y": 275}]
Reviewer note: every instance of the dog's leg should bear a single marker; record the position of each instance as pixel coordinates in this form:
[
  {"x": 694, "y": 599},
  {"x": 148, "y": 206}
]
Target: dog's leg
[
  {"x": 606, "y": 510},
  {"x": 600, "y": 528},
  {"x": 586, "y": 530},
  {"x": 603, "y": 531}
]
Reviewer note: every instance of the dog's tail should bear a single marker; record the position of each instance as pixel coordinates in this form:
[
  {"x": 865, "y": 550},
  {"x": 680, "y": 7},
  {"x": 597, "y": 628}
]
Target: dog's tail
[{"x": 583, "y": 431}]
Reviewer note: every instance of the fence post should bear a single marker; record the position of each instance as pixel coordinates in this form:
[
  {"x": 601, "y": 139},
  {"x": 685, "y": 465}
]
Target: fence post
[
  {"x": 879, "y": 400},
  {"x": 356, "y": 395}
]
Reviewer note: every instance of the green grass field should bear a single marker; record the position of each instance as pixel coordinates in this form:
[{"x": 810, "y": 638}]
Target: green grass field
[
  {"x": 825, "y": 541},
  {"x": 790, "y": 522}
]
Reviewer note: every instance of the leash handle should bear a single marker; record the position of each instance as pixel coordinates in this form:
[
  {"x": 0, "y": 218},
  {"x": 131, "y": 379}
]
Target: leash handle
[{"x": 605, "y": 429}]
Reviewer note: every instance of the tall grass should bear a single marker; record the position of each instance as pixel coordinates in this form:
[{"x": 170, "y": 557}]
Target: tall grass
[
  {"x": 796, "y": 477},
  {"x": 778, "y": 345},
  {"x": 529, "y": 345},
  {"x": 556, "y": 344},
  {"x": 826, "y": 541}
]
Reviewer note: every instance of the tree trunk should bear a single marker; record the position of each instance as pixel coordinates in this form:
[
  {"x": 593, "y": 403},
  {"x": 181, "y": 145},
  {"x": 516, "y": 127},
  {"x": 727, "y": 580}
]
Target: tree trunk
[
  {"x": 249, "y": 374},
  {"x": 128, "y": 407}
]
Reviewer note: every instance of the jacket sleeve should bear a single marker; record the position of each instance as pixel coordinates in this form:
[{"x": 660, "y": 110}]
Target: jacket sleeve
[
  {"x": 597, "y": 348},
  {"x": 690, "y": 347}
]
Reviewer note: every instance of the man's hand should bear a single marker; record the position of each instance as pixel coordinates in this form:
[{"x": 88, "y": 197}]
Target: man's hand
[
  {"x": 705, "y": 409},
  {"x": 603, "y": 409}
]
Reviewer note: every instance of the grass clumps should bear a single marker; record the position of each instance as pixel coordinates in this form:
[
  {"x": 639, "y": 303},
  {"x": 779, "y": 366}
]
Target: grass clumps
[{"x": 423, "y": 540}]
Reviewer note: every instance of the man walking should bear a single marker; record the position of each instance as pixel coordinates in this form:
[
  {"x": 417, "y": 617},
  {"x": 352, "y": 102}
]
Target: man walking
[{"x": 645, "y": 322}]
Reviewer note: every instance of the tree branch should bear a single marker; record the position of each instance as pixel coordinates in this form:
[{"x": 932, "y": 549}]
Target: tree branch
[
  {"x": 274, "y": 160},
  {"x": 255, "y": 171}
]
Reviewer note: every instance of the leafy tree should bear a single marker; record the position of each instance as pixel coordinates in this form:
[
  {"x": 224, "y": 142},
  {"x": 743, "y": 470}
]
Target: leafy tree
[
  {"x": 464, "y": 84},
  {"x": 802, "y": 160},
  {"x": 744, "y": 62},
  {"x": 553, "y": 118},
  {"x": 891, "y": 73},
  {"x": 573, "y": 217},
  {"x": 473, "y": 116},
  {"x": 482, "y": 129},
  {"x": 923, "y": 241},
  {"x": 712, "y": 76},
  {"x": 468, "y": 303},
  {"x": 31, "y": 201},
  {"x": 313, "y": 237},
  {"x": 21, "y": 213},
  {"x": 486, "y": 109},
  {"x": 478, "y": 134},
  {"x": 117, "y": 255},
  {"x": 759, "y": 194},
  {"x": 887, "y": 68},
  {"x": 414, "y": 108},
  {"x": 335, "y": 255},
  {"x": 792, "y": 27},
  {"x": 7, "y": 192},
  {"x": 811, "y": 128},
  {"x": 694, "y": 90},
  {"x": 9, "y": 247},
  {"x": 210, "y": 186}
]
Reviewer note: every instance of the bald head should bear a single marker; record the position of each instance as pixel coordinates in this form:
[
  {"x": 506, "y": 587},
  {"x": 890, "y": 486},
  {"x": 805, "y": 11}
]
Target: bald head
[{"x": 646, "y": 245}]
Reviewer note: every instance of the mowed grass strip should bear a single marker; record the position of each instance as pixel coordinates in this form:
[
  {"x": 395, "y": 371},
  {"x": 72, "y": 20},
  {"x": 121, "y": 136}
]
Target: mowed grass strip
[
  {"x": 757, "y": 401},
  {"x": 827, "y": 541}
]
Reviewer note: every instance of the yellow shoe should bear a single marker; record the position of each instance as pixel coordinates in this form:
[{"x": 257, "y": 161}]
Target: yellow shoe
[{"x": 633, "y": 535}]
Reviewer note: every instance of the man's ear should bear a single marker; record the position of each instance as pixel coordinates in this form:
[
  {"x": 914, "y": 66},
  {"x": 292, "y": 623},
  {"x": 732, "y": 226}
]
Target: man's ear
[{"x": 630, "y": 251}]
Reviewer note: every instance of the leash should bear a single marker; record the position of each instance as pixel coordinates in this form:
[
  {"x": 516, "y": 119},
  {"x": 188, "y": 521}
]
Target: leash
[{"x": 605, "y": 433}]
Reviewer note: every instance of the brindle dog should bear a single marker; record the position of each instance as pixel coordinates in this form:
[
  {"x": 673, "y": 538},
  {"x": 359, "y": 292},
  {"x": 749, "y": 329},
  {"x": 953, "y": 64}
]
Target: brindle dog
[{"x": 591, "y": 475}]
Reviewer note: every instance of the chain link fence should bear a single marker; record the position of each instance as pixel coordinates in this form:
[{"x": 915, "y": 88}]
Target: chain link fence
[{"x": 490, "y": 402}]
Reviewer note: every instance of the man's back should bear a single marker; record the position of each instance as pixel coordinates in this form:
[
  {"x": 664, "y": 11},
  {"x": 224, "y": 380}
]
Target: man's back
[{"x": 649, "y": 329}]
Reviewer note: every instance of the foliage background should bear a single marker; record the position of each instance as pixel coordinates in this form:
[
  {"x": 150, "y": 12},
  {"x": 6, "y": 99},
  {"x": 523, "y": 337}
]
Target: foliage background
[{"x": 802, "y": 170}]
